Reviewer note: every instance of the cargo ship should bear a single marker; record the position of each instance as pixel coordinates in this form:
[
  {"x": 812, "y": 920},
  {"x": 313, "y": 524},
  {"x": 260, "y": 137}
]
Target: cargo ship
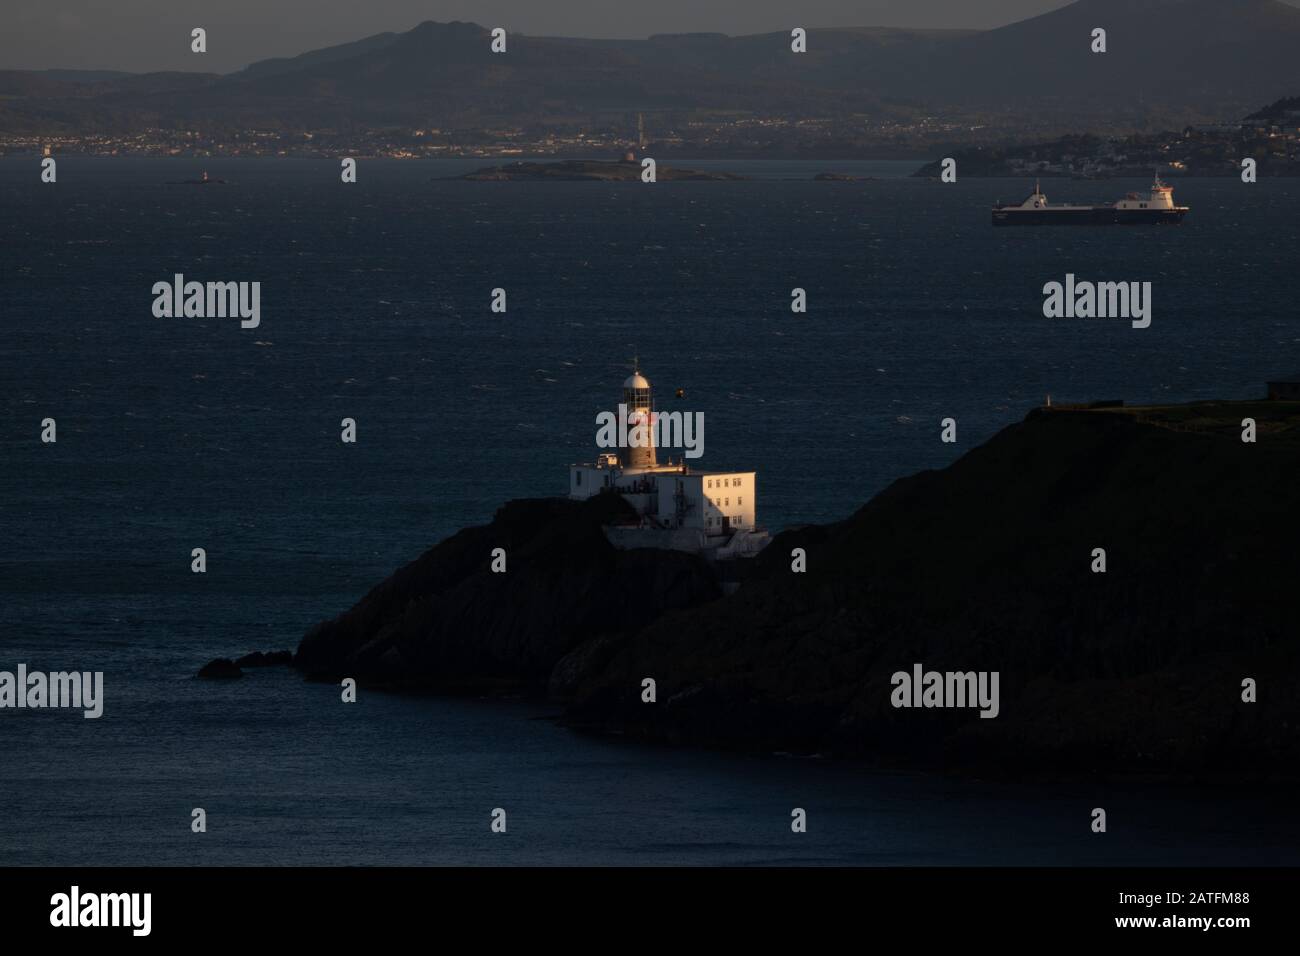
[{"x": 1133, "y": 209}]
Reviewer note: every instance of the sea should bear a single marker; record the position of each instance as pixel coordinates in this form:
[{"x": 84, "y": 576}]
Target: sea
[{"x": 375, "y": 304}]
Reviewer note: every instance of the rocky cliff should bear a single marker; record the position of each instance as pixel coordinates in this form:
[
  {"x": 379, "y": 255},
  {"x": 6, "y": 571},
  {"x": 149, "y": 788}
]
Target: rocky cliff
[
  {"x": 447, "y": 621},
  {"x": 986, "y": 565}
]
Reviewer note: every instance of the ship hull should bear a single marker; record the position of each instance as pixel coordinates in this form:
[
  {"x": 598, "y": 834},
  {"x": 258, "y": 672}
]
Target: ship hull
[{"x": 1087, "y": 216}]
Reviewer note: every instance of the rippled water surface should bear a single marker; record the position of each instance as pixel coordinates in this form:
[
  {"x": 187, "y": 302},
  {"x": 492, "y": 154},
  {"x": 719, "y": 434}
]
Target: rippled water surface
[{"x": 181, "y": 433}]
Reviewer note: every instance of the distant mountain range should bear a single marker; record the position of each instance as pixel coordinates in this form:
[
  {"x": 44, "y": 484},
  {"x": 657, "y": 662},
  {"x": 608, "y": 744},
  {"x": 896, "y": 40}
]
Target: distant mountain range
[{"x": 1167, "y": 61}]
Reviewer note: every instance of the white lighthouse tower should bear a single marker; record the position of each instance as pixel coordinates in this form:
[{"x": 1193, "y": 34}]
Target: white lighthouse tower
[{"x": 639, "y": 399}]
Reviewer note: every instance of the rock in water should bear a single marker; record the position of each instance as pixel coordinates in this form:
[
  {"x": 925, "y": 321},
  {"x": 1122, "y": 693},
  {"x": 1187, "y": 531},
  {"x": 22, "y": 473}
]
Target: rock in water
[{"x": 222, "y": 668}]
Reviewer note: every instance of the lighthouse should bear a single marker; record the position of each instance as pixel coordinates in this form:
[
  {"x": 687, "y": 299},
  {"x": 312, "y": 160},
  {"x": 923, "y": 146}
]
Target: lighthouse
[
  {"x": 639, "y": 400},
  {"x": 712, "y": 513}
]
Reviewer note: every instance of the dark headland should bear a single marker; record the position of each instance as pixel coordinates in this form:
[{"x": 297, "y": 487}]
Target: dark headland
[
  {"x": 983, "y": 565},
  {"x": 588, "y": 170}
]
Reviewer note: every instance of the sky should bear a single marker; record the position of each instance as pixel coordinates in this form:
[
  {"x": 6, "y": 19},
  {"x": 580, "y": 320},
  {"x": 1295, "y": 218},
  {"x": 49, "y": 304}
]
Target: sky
[{"x": 145, "y": 35}]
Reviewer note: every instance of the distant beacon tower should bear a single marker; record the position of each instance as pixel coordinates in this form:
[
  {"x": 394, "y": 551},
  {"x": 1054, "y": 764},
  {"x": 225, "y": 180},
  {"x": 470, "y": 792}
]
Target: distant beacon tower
[{"x": 640, "y": 410}]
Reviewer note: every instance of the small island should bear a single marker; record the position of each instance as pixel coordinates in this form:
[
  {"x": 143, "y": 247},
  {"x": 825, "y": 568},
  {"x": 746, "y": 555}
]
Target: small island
[{"x": 587, "y": 170}]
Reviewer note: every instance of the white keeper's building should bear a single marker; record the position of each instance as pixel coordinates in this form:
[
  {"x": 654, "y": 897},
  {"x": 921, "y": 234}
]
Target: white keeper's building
[{"x": 677, "y": 506}]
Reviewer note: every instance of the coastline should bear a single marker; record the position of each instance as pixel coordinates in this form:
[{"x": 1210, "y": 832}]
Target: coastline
[{"x": 734, "y": 671}]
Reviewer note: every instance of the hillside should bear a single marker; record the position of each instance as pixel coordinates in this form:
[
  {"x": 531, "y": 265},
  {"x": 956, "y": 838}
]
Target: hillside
[
  {"x": 1228, "y": 54},
  {"x": 984, "y": 566},
  {"x": 1168, "y": 61},
  {"x": 448, "y": 622}
]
